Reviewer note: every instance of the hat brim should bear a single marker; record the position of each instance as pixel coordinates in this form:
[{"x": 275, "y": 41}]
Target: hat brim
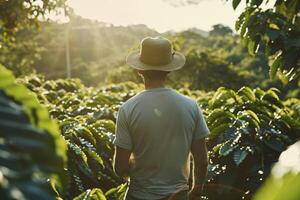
[{"x": 133, "y": 59}]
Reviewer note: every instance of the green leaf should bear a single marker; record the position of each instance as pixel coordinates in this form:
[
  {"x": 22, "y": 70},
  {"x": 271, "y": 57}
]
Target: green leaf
[
  {"x": 275, "y": 66},
  {"x": 235, "y": 3},
  {"x": 227, "y": 148},
  {"x": 247, "y": 93},
  {"x": 249, "y": 117},
  {"x": 85, "y": 133},
  {"x": 272, "y": 94},
  {"x": 244, "y": 28},
  {"x": 239, "y": 156},
  {"x": 221, "y": 97},
  {"x": 239, "y": 21},
  {"x": 32, "y": 149},
  {"x": 275, "y": 144},
  {"x": 272, "y": 98},
  {"x": 216, "y": 131},
  {"x": 219, "y": 113},
  {"x": 97, "y": 194},
  {"x": 251, "y": 47},
  {"x": 273, "y": 34},
  {"x": 117, "y": 192},
  {"x": 253, "y": 115},
  {"x": 216, "y": 148},
  {"x": 256, "y": 2},
  {"x": 94, "y": 159},
  {"x": 226, "y": 118}
]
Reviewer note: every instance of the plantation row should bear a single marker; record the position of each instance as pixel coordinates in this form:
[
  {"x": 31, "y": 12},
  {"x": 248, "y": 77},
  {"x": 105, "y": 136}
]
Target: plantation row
[
  {"x": 249, "y": 130},
  {"x": 87, "y": 122}
]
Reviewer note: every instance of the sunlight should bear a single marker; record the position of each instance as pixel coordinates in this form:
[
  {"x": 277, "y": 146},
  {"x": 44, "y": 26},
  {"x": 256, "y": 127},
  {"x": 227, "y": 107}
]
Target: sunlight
[
  {"x": 157, "y": 14},
  {"x": 200, "y": 111}
]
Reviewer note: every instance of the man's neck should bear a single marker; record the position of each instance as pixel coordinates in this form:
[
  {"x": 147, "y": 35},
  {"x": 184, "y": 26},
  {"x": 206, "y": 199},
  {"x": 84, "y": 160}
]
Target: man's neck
[{"x": 153, "y": 84}]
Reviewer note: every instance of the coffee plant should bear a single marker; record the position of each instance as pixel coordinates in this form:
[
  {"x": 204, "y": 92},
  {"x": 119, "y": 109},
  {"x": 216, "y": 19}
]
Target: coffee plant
[
  {"x": 275, "y": 31},
  {"x": 32, "y": 151},
  {"x": 249, "y": 130},
  {"x": 87, "y": 121}
]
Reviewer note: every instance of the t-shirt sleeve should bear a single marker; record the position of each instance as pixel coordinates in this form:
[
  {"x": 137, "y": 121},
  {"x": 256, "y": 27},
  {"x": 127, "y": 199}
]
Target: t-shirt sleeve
[
  {"x": 122, "y": 138},
  {"x": 201, "y": 130}
]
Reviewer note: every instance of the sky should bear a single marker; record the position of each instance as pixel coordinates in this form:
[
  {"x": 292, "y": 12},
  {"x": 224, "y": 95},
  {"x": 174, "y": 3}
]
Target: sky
[{"x": 158, "y": 14}]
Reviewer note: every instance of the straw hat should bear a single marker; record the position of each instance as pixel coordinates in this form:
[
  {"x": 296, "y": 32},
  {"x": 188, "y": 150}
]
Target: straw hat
[{"x": 156, "y": 53}]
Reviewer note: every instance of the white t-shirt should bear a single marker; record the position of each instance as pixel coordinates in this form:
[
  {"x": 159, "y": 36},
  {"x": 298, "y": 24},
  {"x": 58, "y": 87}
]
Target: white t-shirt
[{"x": 158, "y": 126}]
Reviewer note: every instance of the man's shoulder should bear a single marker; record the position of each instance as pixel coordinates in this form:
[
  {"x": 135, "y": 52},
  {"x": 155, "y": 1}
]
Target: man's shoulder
[
  {"x": 187, "y": 98},
  {"x": 184, "y": 99},
  {"x": 131, "y": 100}
]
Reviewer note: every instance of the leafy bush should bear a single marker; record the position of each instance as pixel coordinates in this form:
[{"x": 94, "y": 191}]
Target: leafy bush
[
  {"x": 249, "y": 130},
  {"x": 87, "y": 122},
  {"x": 275, "y": 30},
  {"x": 32, "y": 152}
]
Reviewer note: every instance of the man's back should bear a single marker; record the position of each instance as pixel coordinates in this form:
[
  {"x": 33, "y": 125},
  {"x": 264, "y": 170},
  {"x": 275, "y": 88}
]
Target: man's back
[{"x": 158, "y": 126}]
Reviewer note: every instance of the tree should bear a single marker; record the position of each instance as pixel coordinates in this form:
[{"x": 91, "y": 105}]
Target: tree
[
  {"x": 17, "y": 14},
  {"x": 276, "y": 30},
  {"x": 220, "y": 30},
  {"x": 205, "y": 71},
  {"x": 19, "y": 21}
]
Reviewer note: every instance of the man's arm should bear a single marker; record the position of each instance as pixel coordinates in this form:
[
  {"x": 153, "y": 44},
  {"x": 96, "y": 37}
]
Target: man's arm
[
  {"x": 123, "y": 145},
  {"x": 121, "y": 161},
  {"x": 199, "y": 153}
]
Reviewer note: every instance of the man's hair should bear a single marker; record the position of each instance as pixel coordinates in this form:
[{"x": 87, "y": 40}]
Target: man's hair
[{"x": 153, "y": 74}]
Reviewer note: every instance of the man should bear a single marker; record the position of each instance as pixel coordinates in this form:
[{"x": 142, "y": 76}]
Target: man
[{"x": 157, "y": 129}]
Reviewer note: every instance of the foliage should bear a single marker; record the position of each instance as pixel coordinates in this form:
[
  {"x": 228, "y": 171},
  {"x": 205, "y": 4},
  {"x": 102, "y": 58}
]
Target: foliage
[
  {"x": 32, "y": 150},
  {"x": 285, "y": 178},
  {"x": 243, "y": 70},
  {"x": 249, "y": 130},
  {"x": 87, "y": 122},
  {"x": 123, "y": 74},
  {"x": 19, "y": 23},
  {"x": 202, "y": 71},
  {"x": 272, "y": 38},
  {"x": 249, "y": 127},
  {"x": 96, "y": 48},
  {"x": 208, "y": 64},
  {"x": 94, "y": 194},
  {"x": 277, "y": 31},
  {"x": 205, "y": 71},
  {"x": 17, "y": 14},
  {"x": 220, "y": 30},
  {"x": 20, "y": 55},
  {"x": 99, "y": 57},
  {"x": 220, "y": 61}
]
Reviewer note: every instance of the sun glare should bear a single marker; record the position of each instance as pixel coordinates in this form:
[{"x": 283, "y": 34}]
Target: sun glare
[{"x": 157, "y": 14}]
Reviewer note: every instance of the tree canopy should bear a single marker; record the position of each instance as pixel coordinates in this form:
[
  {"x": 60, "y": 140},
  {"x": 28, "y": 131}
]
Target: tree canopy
[{"x": 275, "y": 30}]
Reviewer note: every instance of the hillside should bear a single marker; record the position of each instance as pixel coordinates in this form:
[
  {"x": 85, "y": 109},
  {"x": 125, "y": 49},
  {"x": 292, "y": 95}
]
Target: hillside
[{"x": 94, "y": 47}]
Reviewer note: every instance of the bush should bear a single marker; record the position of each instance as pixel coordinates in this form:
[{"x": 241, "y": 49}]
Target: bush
[
  {"x": 249, "y": 130},
  {"x": 33, "y": 153}
]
